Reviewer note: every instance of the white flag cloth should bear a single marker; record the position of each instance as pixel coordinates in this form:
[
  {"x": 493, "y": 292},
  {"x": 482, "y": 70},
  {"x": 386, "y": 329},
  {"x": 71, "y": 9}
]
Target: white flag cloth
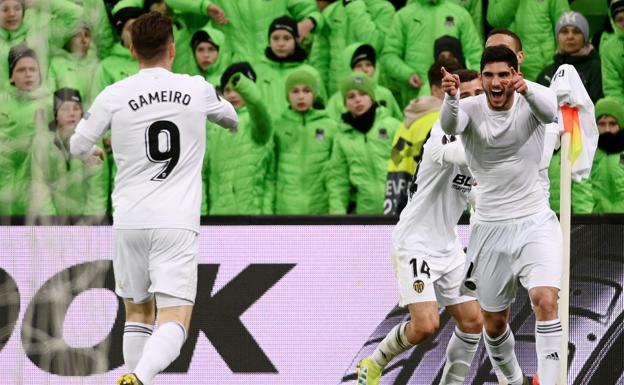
[{"x": 569, "y": 88}]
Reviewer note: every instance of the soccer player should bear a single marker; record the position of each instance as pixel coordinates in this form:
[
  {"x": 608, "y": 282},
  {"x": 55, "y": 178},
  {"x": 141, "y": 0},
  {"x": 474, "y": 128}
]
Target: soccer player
[
  {"x": 514, "y": 232},
  {"x": 429, "y": 261},
  {"x": 157, "y": 119}
]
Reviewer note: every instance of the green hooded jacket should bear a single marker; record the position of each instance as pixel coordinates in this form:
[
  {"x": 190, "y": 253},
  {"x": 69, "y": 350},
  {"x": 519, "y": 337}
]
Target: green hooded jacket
[
  {"x": 359, "y": 163},
  {"x": 213, "y": 73},
  {"x": 383, "y": 96},
  {"x": 240, "y": 164},
  {"x": 612, "y": 60},
  {"x": 119, "y": 65},
  {"x": 67, "y": 70},
  {"x": 607, "y": 178},
  {"x": 76, "y": 189},
  {"x": 249, "y": 20},
  {"x": 102, "y": 34},
  {"x": 303, "y": 145},
  {"x": 582, "y": 196},
  {"x": 474, "y": 8},
  {"x": 409, "y": 46},
  {"x": 50, "y": 23},
  {"x": 361, "y": 21},
  {"x": 534, "y": 22},
  {"x": 24, "y": 139}
]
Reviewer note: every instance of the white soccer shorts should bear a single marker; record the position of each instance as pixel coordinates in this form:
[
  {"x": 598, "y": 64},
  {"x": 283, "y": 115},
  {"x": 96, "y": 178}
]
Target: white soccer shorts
[
  {"x": 499, "y": 253},
  {"x": 149, "y": 261},
  {"x": 424, "y": 278}
]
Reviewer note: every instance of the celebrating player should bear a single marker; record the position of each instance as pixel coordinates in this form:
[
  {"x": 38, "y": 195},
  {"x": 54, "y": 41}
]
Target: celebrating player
[
  {"x": 514, "y": 232},
  {"x": 429, "y": 261},
  {"x": 157, "y": 120}
]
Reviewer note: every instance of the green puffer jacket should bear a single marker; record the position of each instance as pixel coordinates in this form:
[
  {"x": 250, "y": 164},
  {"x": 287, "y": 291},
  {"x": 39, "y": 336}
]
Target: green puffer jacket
[
  {"x": 303, "y": 145},
  {"x": 361, "y": 21},
  {"x": 359, "y": 162},
  {"x": 272, "y": 83},
  {"x": 51, "y": 23},
  {"x": 102, "y": 35},
  {"x": 474, "y": 8},
  {"x": 607, "y": 177},
  {"x": 119, "y": 65},
  {"x": 588, "y": 68},
  {"x": 213, "y": 73},
  {"x": 410, "y": 41},
  {"x": 76, "y": 189},
  {"x": 612, "y": 60},
  {"x": 24, "y": 138},
  {"x": 582, "y": 198},
  {"x": 66, "y": 70},
  {"x": 240, "y": 165},
  {"x": 249, "y": 20},
  {"x": 534, "y": 22},
  {"x": 383, "y": 96}
]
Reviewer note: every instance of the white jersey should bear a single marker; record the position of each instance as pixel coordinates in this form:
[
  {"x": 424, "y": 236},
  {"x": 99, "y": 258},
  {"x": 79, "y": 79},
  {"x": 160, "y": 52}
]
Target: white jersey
[
  {"x": 158, "y": 128},
  {"x": 427, "y": 223},
  {"x": 504, "y": 150}
]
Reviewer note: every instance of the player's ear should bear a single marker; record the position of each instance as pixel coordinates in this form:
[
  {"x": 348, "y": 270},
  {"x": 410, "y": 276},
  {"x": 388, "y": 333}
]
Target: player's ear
[
  {"x": 133, "y": 52},
  {"x": 171, "y": 50}
]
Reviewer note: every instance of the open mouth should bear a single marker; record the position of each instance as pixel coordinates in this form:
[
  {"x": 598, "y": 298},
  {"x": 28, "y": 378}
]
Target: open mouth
[{"x": 497, "y": 95}]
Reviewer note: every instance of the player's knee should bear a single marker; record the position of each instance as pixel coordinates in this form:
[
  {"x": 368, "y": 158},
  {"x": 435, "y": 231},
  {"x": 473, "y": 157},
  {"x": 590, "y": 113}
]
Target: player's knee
[
  {"x": 422, "y": 329},
  {"x": 494, "y": 324},
  {"x": 545, "y": 307},
  {"x": 471, "y": 323}
]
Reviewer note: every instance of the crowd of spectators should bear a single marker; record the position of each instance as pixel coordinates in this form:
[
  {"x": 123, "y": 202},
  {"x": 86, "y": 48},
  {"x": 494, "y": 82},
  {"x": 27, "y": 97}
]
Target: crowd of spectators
[{"x": 335, "y": 98}]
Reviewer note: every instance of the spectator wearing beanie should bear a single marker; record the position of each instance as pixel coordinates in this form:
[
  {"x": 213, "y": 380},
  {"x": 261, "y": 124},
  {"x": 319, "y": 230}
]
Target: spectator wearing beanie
[
  {"x": 24, "y": 111},
  {"x": 76, "y": 189},
  {"x": 74, "y": 66},
  {"x": 304, "y": 137},
  {"x": 449, "y": 48},
  {"x": 249, "y": 20},
  {"x": 348, "y": 22},
  {"x": 572, "y": 31},
  {"x": 534, "y": 23},
  {"x": 42, "y": 26},
  {"x": 119, "y": 64},
  {"x": 607, "y": 174},
  {"x": 363, "y": 58},
  {"x": 361, "y": 150},
  {"x": 282, "y": 56},
  {"x": 409, "y": 51},
  {"x": 209, "y": 61},
  {"x": 612, "y": 52},
  {"x": 240, "y": 163}
]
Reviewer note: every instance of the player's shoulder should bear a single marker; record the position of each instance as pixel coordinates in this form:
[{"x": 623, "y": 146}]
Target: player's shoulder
[{"x": 473, "y": 102}]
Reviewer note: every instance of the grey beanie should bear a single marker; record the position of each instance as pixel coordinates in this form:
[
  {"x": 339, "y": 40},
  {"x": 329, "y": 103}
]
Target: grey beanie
[{"x": 574, "y": 19}]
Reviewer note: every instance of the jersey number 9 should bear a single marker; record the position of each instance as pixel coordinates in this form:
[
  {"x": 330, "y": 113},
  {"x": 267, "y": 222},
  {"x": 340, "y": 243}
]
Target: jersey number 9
[{"x": 167, "y": 133}]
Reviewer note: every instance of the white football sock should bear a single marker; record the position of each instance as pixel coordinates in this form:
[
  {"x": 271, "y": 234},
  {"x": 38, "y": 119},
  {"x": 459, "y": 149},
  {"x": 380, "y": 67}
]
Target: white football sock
[
  {"x": 162, "y": 348},
  {"x": 392, "y": 345},
  {"x": 135, "y": 336},
  {"x": 459, "y": 353},
  {"x": 548, "y": 342},
  {"x": 501, "y": 351}
]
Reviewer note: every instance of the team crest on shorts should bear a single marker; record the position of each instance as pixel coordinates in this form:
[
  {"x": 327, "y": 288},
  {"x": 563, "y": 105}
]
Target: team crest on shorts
[{"x": 419, "y": 286}]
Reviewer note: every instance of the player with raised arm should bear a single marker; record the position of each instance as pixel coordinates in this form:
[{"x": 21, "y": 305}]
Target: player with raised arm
[
  {"x": 514, "y": 233},
  {"x": 158, "y": 124},
  {"x": 429, "y": 261}
]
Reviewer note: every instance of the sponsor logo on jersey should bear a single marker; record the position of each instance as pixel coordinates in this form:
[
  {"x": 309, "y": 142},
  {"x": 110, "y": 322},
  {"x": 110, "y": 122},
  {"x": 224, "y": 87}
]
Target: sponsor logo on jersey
[
  {"x": 462, "y": 183},
  {"x": 419, "y": 286}
]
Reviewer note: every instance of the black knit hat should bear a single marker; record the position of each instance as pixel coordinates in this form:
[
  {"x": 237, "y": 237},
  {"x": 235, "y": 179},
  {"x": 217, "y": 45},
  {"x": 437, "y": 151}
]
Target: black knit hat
[
  {"x": 242, "y": 67},
  {"x": 287, "y": 24},
  {"x": 17, "y": 53},
  {"x": 616, "y": 7},
  {"x": 363, "y": 52},
  {"x": 451, "y": 44},
  {"x": 65, "y": 95},
  {"x": 202, "y": 36},
  {"x": 123, "y": 15}
]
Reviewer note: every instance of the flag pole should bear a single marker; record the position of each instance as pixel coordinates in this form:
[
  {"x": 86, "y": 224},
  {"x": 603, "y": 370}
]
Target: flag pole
[{"x": 565, "y": 212}]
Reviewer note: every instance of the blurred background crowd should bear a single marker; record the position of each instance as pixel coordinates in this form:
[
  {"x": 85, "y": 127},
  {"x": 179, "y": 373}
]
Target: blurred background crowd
[{"x": 335, "y": 98}]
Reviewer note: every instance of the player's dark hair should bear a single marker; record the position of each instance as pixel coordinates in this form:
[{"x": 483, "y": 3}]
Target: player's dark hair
[
  {"x": 504, "y": 31},
  {"x": 435, "y": 71},
  {"x": 151, "y": 33},
  {"x": 499, "y": 53},
  {"x": 466, "y": 75}
]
